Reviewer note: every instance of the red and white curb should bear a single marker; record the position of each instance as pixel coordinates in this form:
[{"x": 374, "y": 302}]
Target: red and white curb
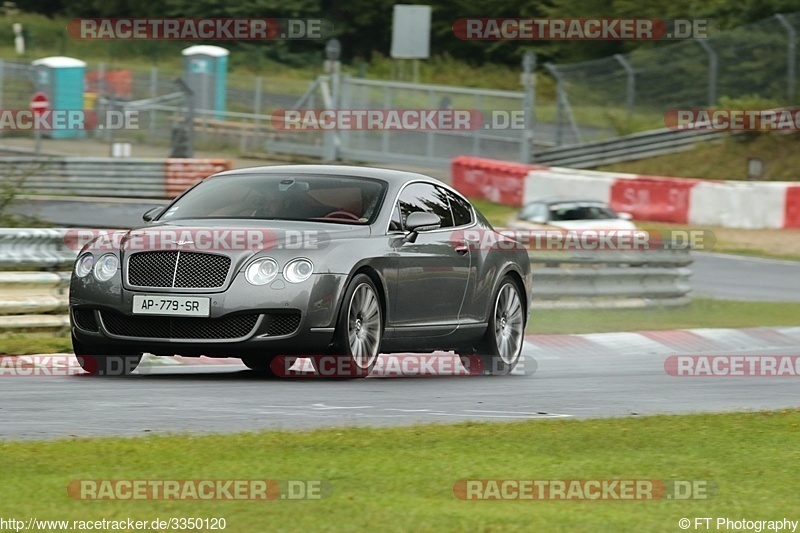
[
  {"x": 684, "y": 341},
  {"x": 679, "y": 341}
]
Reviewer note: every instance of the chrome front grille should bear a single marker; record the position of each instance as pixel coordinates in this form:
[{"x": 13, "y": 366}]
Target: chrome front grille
[{"x": 191, "y": 270}]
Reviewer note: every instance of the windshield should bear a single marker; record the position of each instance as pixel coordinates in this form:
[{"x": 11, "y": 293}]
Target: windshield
[
  {"x": 339, "y": 199},
  {"x": 581, "y": 211}
]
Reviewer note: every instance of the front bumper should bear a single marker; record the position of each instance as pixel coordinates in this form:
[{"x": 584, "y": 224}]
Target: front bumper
[{"x": 245, "y": 320}]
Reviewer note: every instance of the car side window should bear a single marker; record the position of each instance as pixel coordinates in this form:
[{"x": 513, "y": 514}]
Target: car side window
[
  {"x": 461, "y": 209},
  {"x": 424, "y": 197}
]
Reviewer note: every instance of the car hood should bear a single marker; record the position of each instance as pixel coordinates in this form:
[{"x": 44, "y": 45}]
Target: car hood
[{"x": 237, "y": 237}]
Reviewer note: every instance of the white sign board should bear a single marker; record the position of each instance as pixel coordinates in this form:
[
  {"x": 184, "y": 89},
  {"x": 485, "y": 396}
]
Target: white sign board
[{"x": 411, "y": 32}]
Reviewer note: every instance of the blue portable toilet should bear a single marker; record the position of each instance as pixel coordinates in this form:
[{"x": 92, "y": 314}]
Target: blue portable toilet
[
  {"x": 205, "y": 71},
  {"x": 62, "y": 80}
]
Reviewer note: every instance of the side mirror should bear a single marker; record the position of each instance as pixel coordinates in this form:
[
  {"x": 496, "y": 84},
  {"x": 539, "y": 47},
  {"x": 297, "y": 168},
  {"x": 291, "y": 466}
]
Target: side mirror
[
  {"x": 625, "y": 216},
  {"x": 151, "y": 213},
  {"x": 422, "y": 221}
]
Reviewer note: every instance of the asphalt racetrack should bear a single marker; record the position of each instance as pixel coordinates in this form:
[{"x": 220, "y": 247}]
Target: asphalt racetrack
[
  {"x": 219, "y": 398},
  {"x": 620, "y": 380}
]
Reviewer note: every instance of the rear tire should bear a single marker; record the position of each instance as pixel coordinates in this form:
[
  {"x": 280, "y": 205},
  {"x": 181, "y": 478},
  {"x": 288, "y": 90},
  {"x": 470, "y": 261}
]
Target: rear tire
[
  {"x": 104, "y": 362},
  {"x": 359, "y": 330},
  {"x": 502, "y": 345}
]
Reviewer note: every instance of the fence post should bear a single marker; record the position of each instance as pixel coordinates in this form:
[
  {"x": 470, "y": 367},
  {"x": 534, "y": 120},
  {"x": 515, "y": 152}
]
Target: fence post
[
  {"x": 2, "y": 85},
  {"x": 431, "y": 140},
  {"x": 476, "y": 134},
  {"x": 551, "y": 68},
  {"x": 791, "y": 56},
  {"x": 630, "y": 91},
  {"x": 529, "y": 82},
  {"x": 101, "y": 94},
  {"x": 153, "y": 94},
  {"x": 713, "y": 66},
  {"x": 257, "y": 109},
  {"x": 331, "y": 151}
]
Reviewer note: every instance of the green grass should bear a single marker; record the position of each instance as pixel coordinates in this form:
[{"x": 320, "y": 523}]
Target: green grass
[
  {"x": 726, "y": 160},
  {"x": 23, "y": 343},
  {"x": 700, "y": 313},
  {"x": 401, "y": 479}
]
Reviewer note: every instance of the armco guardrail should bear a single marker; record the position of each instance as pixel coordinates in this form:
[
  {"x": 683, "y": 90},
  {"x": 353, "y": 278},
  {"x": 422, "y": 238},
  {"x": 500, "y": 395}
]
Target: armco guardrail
[
  {"x": 100, "y": 176},
  {"x": 592, "y": 286},
  {"x": 562, "y": 279},
  {"x": 627, "y": 148},
  {"x": 30, "y": 300},
  {"x": 33, "y": 292},
  {"x": 39, "y": 248},
  {"x": 610, "y": 279}
]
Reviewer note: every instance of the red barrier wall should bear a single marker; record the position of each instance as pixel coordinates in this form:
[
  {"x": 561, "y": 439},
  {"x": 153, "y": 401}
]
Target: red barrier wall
[
  {"x": 498, "y": 181},
  {"x": 654, "y": 198},
  {"x": 791, "y": 217}
]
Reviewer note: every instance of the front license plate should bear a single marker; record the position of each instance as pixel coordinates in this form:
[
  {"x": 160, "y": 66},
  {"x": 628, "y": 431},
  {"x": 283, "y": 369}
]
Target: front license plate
[{"x": 144, "y": 304}]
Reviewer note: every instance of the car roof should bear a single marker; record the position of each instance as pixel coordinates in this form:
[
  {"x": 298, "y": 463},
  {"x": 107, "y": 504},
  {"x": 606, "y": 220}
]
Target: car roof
[{"x": 394, "y": 177}]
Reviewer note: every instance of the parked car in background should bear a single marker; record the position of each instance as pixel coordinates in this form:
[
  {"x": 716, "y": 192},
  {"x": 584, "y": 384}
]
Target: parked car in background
[{"x": 571, "y": 213}]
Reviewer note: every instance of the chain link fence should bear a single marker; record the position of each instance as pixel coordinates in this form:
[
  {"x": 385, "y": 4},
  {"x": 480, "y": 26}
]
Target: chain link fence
[
  {"x": 631, "y": 92},
  {"x": 599, "y": 99}
]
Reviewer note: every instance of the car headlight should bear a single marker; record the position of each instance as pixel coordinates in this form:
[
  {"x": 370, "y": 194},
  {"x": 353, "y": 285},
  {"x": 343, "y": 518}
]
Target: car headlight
[
  {"x": 84, "y": 265},
  {"x": 106, "y": 267},
  {"x": 298, "y": 270},
  {"x": 261, "y": 271}
]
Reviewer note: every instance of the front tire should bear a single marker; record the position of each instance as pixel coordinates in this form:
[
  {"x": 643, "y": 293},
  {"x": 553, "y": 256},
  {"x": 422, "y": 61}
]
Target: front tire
[
  {"x": 502, "y": 344},
  {"x": 105, "y": 362},
  {"x": 359, "y": 329}
]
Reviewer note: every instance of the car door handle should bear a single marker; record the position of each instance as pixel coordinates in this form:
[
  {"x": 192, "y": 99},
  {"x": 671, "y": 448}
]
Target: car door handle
[{"x": 462, "y": 249}]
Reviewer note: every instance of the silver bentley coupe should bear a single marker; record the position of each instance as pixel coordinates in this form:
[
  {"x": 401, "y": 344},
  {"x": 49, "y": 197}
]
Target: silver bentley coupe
[{"x": 302, "y": 261}]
